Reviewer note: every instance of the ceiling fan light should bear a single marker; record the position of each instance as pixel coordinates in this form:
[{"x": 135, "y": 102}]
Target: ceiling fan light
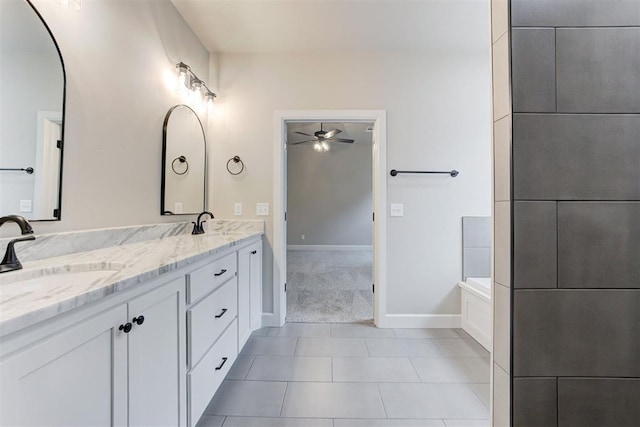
[
  {"x": 325, "y": 146},
  {"x": 317, "y": 146}
]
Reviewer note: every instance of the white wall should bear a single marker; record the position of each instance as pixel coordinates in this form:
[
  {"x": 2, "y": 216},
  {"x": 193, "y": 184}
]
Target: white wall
[
  {"x": 119, "y": 57},
  {"x": 437, "y": 118},
  {"x": 329, "y": 195}
]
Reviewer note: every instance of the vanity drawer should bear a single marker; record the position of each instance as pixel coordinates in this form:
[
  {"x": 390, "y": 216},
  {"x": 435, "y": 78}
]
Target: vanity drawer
[
  {"x": 205, "y": 279},
  {"x": 207, "y": 319},
  {"x": 204, "y": 380}
]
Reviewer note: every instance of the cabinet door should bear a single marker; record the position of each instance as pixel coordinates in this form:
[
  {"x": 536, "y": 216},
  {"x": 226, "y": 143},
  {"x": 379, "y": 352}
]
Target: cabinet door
[
  {"x": 77, "y": 377},
  {"x": 244, "y": 296},
  {"x": 157, "y": 367},
  {"x": 256, "y": 285}
]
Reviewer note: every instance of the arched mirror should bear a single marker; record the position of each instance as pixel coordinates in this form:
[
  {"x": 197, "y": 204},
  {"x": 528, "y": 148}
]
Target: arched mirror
[
  {"x": 32, "y": 93},
  {"x": 184, "y": 163}
]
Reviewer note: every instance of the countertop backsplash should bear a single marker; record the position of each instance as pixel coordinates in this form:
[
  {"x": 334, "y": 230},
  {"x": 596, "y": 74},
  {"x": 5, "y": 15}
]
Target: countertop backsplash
[{"x": 58, "y": 244}]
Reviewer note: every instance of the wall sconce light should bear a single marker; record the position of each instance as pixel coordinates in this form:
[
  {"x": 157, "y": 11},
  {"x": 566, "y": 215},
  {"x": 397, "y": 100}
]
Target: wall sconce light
[
  {"x": 69, "y": 4},
  {"x": 189, "y": 83}
]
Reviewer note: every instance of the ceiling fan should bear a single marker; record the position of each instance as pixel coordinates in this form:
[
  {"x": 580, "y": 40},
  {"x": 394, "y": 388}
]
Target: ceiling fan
[{"x": 321, "y": 137}]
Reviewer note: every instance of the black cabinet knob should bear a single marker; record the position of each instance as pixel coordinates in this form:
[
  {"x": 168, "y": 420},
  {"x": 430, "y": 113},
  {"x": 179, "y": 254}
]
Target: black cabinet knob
[
  {"x": 139, "y": 320},
  {"x": 126, "y": 328},
  {"x": 254, "y": 252},
  {"x": 221, "y": 273}
]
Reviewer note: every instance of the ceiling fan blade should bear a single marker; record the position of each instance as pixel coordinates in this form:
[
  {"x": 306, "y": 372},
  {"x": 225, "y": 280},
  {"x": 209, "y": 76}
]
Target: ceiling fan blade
[
  {"x": 302, "y": 142},
  {"x": 302, "y": 133},
  {"x": 332, "y": 133},
  {"x": 348, "y": 141}
]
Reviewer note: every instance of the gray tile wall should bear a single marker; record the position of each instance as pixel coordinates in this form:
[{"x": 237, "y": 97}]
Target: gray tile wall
[{"x": 575, "y": 69}]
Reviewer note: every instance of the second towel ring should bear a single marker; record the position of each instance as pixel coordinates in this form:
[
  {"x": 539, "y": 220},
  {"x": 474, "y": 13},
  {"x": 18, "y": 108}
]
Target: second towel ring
[
  {"x": 181, "y": 159},
  {"x": 235, "y": 160}
]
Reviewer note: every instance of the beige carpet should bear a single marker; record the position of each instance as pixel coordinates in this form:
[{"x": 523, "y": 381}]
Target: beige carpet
[{"x": 329, "y": 286}]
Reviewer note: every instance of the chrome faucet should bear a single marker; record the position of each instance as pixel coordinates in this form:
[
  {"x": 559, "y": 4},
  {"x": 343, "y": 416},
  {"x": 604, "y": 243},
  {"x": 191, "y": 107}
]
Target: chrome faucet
[
  {"x": 198, "y": 227},
  {"x": 10, "y": 261}
]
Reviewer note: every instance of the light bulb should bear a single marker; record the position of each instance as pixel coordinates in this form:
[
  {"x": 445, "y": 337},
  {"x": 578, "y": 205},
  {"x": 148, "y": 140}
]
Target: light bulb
[
  {"x": 325, "y": 146},
  {"x": 183, "y": 80},
  {"x": 210, "y": 99},
  {"x": 317, "y": 147},
  {"x": 197, "y": 93}
]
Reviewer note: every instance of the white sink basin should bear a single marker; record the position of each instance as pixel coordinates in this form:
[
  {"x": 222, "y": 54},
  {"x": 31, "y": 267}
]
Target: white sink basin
[{"x": 33, "y": 280}]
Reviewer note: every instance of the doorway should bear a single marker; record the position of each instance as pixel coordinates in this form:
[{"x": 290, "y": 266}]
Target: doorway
[
  {"x": 376, "y": 120},
  {"x": 329, "y": 222}
]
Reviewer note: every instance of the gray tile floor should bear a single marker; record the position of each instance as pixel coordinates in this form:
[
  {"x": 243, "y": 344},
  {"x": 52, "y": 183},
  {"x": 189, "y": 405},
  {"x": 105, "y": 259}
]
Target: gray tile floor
[
  {"x": 329, "y": 286},
  {"x": 354, "y": 375}
]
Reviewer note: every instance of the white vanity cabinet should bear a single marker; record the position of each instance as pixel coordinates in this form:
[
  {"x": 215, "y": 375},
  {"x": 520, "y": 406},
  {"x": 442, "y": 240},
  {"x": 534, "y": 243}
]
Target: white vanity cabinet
[
  {"x": 77, "y": 377},
  {"x": 105, "y": 370},
  {"x": 249, "y": 291},
  {"x": 156, "y": 357},
  {"x": 211, "y": 330},
  {"x": 152, "y": 355}
]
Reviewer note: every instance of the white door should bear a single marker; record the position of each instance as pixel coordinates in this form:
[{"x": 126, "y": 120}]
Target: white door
[
  {"x": 157, "y": 369},
  {"x": 256, "y": 285},
  {"x": 47, "y": 167},
  {"x": 283, "y": 301},
  {"x": 244, "y": 296},
  {"x": 76, "y": 378}
]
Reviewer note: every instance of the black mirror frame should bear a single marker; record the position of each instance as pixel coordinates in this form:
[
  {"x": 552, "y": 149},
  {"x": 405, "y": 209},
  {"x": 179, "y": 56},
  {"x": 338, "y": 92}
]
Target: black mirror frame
[
  {"x": 57, "y": 213},
  {"x": 164, "y": 212}
]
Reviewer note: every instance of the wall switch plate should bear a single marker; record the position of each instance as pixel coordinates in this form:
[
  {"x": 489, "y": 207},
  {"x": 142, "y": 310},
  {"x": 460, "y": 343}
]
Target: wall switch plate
[
  {"x": 237, "y": 209},
  {"x": 397, "y": 209},
  {"x": 262, "y": 209},
  {"x": 26, "y": 206}
]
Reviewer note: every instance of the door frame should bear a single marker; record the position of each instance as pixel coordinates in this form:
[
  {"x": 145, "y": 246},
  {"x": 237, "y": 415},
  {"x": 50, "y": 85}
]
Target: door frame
[{"x": 379, "y": 158}]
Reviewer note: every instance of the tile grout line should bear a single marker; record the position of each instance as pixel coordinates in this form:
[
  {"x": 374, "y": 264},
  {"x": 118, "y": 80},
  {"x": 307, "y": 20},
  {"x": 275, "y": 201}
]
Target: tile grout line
[
  {"x": 284, "y": 396},
  {"x": 244, "y": 378},
  {"x": 415, "y": 370},
  {"x": 382, "y": 400}
]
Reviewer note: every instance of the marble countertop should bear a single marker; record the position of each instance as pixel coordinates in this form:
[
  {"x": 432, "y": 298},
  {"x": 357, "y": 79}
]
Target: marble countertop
[{"x": 37, "y": 297}]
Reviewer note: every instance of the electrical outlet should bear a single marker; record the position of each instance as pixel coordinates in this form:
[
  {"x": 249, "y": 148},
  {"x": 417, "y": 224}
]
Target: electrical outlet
[
  {"x": 26, "y": 206},
  {"x": 397, "y": 209},
  {"x": 262, "y": 209},
  {"x": 237, "y": 209}
]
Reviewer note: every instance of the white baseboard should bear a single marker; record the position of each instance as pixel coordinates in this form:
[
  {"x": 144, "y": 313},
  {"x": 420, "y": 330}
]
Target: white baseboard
[
  {"x": 269, "y": 320},
  {"x": 329, "y": 247},
  {"x": 422, "y": 321}
]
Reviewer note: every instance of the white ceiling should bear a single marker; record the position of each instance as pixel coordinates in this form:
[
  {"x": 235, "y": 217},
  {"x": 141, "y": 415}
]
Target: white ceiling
[{"x": 287, "y": 26}]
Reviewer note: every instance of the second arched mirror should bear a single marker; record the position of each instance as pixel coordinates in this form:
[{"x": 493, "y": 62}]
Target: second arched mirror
[{"x": 184, "y": 163}]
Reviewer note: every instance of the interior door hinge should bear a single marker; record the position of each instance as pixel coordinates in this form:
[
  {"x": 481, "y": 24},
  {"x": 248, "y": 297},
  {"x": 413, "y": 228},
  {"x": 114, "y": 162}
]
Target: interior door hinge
[
  {"x": 285, "y": 287},
  {"x": 59, "y": 144},
  {"x": 373, "y": 215},
  {"x": 373, "y": 288},
  {"x": 285, "y": 216}
]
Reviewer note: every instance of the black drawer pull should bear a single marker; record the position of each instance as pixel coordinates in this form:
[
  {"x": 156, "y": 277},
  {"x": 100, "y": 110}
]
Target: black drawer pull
[
  {"x": 224, "y": 360},
  {"x": 254, "y": 252},
  {"x": 221, "y": 273},
  {"x": 224, "y": 310}
]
